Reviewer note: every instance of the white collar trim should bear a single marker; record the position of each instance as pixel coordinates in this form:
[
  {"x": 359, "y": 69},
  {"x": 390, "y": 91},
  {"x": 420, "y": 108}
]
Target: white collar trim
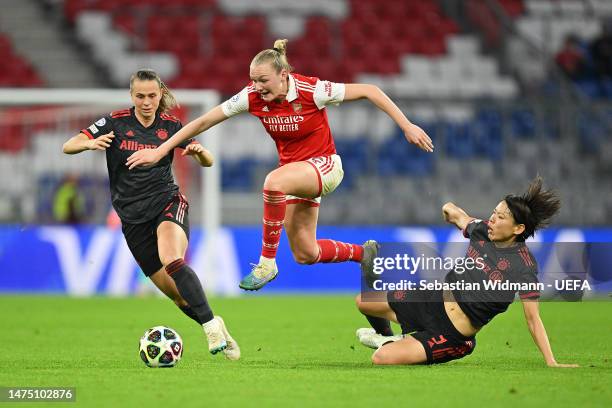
[{"x": 292, "y": 91}]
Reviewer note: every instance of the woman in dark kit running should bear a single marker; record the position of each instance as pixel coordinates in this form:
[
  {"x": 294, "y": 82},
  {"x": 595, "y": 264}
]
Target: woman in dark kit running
[
  {"x": 154, "y": 214},
  {"x": 444, "y": 322}
]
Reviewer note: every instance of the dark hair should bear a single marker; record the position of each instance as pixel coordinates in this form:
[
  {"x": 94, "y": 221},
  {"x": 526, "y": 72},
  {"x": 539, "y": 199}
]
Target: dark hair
[
  {"x": 534, "y": 208},
  {"x": 168, "y": 101},
  {"x": 277, "y": 56}
]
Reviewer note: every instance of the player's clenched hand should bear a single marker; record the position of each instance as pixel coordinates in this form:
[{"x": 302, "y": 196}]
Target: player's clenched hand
[
  {"x": 102, "y": 142},
  {"x": 143, "y": 158},
  {"x": 193, "y": 149},
  {"x": 417, "y": 136},
  {"x": 198, "y": 152},
  {"x": 446, "y": 209}
]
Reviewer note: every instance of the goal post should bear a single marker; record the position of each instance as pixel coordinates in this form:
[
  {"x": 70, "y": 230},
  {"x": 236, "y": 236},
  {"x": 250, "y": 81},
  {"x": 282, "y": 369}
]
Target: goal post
[{"x": 91, "y": 102}]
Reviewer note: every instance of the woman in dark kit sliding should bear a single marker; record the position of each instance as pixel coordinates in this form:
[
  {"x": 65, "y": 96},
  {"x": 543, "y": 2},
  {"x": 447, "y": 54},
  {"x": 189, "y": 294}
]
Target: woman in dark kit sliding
[
  {"x": 443, "y": 323},
  {"x": 154, "y": 214}
]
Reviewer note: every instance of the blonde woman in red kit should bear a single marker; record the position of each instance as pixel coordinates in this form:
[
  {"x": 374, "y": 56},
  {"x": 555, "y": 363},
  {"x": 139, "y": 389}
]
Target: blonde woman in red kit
[{"x": 291, "y": 107}]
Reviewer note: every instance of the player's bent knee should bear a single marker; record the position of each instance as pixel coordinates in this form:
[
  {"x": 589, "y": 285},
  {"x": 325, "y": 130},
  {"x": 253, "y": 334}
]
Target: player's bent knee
[
  {"x": 273, "y": 182},
  {"x": 379, "y": 358},
  {"x": 167, "y": 260},
  {"x": 358, "y": 302},
  {"x": 407, "y": 351},
  {"x": 366, "y": 307},
  {"x": 383, "y": 356},
  {"x": 305, "y": 258}
]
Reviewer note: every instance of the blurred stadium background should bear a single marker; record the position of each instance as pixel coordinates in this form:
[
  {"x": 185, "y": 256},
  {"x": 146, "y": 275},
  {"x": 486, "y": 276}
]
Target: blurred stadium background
[{"x": 506, "y": 88}]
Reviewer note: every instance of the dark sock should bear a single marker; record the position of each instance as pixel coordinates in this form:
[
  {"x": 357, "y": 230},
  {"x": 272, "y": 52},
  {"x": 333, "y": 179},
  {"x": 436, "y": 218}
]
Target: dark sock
[
  {"x": 382, "y": 326},
  {"x": 191, "y": 290},
  {"x": 189, "y": 312}
]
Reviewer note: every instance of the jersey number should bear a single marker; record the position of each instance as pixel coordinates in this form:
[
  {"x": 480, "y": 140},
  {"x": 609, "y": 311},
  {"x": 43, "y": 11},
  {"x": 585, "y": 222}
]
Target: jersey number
[{"x": 433, "y": 341}]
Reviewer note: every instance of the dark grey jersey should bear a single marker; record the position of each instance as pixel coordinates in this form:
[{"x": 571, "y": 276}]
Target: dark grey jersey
[
  {"x": 513, "y": 264},
  {"x": 140, "y": 194}
]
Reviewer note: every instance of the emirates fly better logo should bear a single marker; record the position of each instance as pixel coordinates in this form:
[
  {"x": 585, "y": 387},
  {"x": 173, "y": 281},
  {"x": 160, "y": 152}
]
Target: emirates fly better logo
[{"x": 282, "y": 123}]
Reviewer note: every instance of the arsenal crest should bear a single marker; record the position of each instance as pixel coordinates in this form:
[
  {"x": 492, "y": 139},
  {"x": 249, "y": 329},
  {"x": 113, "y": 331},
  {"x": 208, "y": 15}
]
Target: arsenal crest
[
  {"x": 297, "y": 107},
  {"x": 162, "y": 134}
]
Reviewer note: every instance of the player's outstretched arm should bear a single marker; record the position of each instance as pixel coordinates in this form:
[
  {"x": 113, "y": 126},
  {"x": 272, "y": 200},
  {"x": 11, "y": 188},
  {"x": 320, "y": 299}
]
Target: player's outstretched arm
[
  {"x": 538, "y": 333},
  {"x": 374, "y": 94},
  {"x": 81, "y": 142},
  {"x": 199, "y": 154},
  {"x": 148, "y": 157},
  {"x": 455, "y": 215}
]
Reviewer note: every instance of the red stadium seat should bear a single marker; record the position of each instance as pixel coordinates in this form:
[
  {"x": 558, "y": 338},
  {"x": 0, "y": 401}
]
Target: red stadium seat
[
  {"x": 125, "y": 22},
  {"x": 5, "y": 47},
  {"x": 514, "y": 8},
  {"x": 433, "y": 46},
  {"x": 215, "y": 49},
  {"x": 15, "y": 70}
]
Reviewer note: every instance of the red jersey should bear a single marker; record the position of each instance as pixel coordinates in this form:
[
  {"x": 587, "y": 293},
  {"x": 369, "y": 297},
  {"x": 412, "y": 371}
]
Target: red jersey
[{"x": 298, "y": 124}]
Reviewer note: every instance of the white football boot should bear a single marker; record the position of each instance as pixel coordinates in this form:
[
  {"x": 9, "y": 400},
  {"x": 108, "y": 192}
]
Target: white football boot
[
  {"x": 214, "y": 334},
  {"x": 232, "y": 351},
  {"x": 369, "y": 338}
]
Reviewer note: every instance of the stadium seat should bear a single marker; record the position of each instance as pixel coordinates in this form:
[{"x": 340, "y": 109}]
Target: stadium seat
[
  {"x": 523, "y": 123},
  {"x": 547, "y": 23},
  {"x": 16, "y": 71},
  {"x": 309, "y": 25}
]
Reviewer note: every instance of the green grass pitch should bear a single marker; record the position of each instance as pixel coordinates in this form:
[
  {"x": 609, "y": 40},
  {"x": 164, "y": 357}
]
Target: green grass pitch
[{"x": 297, "y": 351}]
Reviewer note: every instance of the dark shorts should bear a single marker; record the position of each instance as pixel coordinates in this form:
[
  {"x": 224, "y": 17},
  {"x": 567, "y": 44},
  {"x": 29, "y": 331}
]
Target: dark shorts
[
  {"x": 142, "y": 238},
  {"x": 423, "y": 316}
]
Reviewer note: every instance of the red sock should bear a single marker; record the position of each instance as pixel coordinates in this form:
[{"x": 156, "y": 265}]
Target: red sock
[
  {"x": 275, "y": 204},
  {"x": 336, "y": 251}
]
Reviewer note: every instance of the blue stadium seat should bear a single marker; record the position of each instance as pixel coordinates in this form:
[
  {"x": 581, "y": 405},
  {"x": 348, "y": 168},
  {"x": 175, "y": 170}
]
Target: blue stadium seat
[
  {"x": 458, "y": 140},
  {"x": 589, "y": 88},
  {"x": 523, "y": 123},
  {"x": 491, "y": 117},
  {"x": 355, "y": 154},
  {"x": 592, "y": 132},
  {"x": 488, "y": 139},
  {"x": 397, "y": 156}
]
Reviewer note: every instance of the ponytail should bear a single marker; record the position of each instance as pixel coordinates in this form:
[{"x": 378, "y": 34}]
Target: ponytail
[
  {"x": 277, "y": 56},
  {"x": 534, "y": 208}
]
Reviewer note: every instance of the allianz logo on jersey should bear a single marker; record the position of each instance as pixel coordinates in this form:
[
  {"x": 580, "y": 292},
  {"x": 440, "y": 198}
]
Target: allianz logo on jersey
[
  {"x": 133, "y": 146},
  {"x": 282, "y": 120}
]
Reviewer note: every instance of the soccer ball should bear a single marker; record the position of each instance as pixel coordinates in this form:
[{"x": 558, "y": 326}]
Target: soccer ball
[{"x": 161, "y": 346}]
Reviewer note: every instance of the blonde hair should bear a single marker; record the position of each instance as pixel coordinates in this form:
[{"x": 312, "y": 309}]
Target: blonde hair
[
  {"x": 168, "y": 101},
  {"x": 277, "y": 56}
]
